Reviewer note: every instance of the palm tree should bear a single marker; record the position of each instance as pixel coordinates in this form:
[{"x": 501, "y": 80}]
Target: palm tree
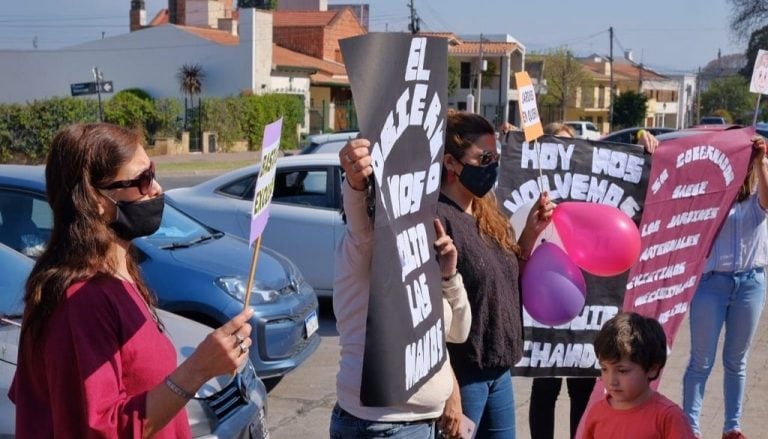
[{"x": 190, "y": 78}]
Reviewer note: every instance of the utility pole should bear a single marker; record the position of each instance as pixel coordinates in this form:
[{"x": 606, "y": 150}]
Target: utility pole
[
  {"x": 698, "y": 96},
  {"x": 480, "y": 78},
  {"x": 613, "y": 95},
  {"x": 414, "y": 25},
  {"x": 98, "y": 76},
  {"x": 566, "y": 72}
]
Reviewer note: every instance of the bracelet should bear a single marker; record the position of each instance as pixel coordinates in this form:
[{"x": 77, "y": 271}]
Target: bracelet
[
  {"x": 450, "y": 278},
  {"x": 177, "y": 390}
]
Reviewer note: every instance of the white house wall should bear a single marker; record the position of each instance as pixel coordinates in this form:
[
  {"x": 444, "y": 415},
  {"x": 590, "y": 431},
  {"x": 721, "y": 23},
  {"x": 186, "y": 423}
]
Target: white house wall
[{"x": 148, "y": 59}]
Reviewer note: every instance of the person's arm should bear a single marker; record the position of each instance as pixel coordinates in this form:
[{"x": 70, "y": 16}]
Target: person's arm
[
  {"x": 538, "y": 219},
  {"x": 456, "y": 296},
  {"x": 450, "y": 421},
  {"x": 214, "y": 356},
  {"x": 761, "y": 168},
  {"x": 85, "y": 371},
  {"x": 648, "y": 141}
]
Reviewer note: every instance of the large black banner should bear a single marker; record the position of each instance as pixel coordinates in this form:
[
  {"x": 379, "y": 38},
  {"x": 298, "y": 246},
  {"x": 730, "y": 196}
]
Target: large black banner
[
  {"x": 572, "y": 170},
  {"x": 399, "y": 86}
]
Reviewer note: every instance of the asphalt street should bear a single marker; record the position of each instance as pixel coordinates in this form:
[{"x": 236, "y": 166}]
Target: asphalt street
[{"x": 299, "y": 406}]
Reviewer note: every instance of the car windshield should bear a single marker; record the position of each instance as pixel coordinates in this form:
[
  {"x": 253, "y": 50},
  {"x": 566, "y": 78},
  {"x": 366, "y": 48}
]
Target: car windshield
[
  {"x": 333, "y": 146},
  {"x": 178, "y": 230},
  {"x": 16, "y": 268}
]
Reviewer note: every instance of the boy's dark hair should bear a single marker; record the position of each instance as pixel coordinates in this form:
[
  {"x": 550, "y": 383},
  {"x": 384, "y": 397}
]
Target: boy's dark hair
[{"x": 637, "y": 338}]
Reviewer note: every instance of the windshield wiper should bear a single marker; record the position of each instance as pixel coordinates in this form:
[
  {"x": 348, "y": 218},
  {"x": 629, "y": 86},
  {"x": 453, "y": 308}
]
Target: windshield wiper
[
  {"x": 7, "y": 320},
  {"x": 178, "y": 245}
]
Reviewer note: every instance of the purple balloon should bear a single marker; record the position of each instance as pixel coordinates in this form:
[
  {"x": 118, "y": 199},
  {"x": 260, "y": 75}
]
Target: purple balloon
[{"x": 553, "y": 287}]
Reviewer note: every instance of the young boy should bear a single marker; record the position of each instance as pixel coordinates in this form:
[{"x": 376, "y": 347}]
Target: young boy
[{"x": 632, "y": 350}]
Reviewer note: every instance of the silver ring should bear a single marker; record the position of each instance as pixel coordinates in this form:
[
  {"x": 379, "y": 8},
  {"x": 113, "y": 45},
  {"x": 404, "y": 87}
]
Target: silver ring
[
  {"x": 349, "y": 159},
  {"x": 238, "y": 337},
  {"x": 243, "y": 348}
]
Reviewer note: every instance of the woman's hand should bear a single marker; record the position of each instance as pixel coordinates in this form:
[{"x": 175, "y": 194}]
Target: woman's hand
[
  {"x": 540, "y": 215},
  {"x": 355, "y": 159},
  {"x": 648, "y": 141},
  {"x": 758, "y": 143},
  {"x": 446, "y": 251},
  {"x": 450, "y": 421},
  {"x": 223, "y": 350}
]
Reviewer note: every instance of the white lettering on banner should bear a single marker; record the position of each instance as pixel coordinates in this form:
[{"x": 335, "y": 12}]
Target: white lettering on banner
[
  {"x": 540, "y": 354},
  {"x": 693, "y": 216},
  {"x": 413, "y": 248},
  {"x": 406, "y": 190},
  {"x": 421, "y": 356},
  {"x": 419, "y": 300},
  {"x": 670, "y": 246},
  {"x": 689, "y": 190},
  {"x": 679, "y": 308},
  {"x": 650, "y": 228},
  {"x": 591, "y": 318},
  {"x": 553, "y": 156},
  {"x": 414, "y": 68},
  {"x": 656, "y": 275},
  {"x": 617, "y": 164},
  {"x": 660, "y": 181},
  {"x": 391, "y": 131},
  {"x": 710, "y": 153},
  {"x": 665, "y": 292},
  {"x": 578, "y": 187},
  {"x": 405, "y": 193}
]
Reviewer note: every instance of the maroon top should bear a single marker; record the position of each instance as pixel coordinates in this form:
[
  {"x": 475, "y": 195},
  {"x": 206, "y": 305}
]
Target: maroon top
[{"x": 101, "y": 351}]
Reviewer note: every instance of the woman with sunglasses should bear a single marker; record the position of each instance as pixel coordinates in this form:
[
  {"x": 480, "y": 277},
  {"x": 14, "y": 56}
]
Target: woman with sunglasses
[
  {"x": 488, "y": 261},
  {"x": 93, "y": 358}
]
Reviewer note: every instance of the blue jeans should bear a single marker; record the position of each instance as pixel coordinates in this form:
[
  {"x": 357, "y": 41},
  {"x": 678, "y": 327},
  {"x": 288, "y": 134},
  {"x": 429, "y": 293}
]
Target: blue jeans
[
  {"x": 487, "y": 399},
  {"x": 736, "y": 301},
  {"x": 347, "y": 426}
]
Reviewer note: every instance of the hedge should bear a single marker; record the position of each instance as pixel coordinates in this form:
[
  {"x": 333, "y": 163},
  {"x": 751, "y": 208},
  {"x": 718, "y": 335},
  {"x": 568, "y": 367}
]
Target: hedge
[{"x": 26, "y": 130}]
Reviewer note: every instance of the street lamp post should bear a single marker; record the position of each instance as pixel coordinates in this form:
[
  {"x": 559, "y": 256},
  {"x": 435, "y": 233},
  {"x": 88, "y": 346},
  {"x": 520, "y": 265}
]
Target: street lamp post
[{"x": 98, "y": 76}]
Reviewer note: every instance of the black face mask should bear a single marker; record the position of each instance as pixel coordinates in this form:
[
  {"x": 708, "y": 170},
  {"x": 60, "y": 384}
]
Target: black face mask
[
  {"x": 479, "y": 179},
  {"x": 138, "y": 218}
]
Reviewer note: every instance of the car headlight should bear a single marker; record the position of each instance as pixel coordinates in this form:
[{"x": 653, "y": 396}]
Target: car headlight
[{"x": 235, "y": 287}]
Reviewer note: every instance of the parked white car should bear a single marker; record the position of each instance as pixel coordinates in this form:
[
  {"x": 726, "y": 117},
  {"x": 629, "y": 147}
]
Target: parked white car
[
  {"x": 304, "y": 219},
  {"x": 225, "y": 407},
  {"x": 584, "y": 130}
]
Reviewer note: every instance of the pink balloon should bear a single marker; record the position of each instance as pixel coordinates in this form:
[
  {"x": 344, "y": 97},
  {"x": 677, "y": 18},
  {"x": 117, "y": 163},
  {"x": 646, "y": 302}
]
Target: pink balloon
[
  {"x": 553, "y": 287},
  {"x": 601, "y": 239}
]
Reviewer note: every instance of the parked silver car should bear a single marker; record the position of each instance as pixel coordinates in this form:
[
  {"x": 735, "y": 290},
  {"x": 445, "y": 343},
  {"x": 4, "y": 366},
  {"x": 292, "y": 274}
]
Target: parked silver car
[
  {"x": 223, "y": 408},
  {"x": 304, "y": 219}
]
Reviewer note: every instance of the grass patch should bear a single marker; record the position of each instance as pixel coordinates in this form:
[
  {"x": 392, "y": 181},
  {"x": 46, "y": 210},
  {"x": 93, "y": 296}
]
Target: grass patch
[{"x": 202, "y": 166}]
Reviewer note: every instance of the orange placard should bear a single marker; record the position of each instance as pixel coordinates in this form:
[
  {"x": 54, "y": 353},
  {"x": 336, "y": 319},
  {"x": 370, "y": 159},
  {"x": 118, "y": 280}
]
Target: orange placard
[{"x": 526, "y": 105}]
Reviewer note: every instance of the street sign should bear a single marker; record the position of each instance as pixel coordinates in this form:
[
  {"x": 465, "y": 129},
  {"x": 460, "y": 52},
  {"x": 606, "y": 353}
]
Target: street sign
[{"x": 89, "y": 88}]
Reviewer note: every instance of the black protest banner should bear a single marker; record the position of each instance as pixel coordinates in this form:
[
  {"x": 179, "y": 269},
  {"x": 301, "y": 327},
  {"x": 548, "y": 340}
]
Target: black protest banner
[
  {"x": 572, "y": 170},
  {"x": 399, "y": 84}
]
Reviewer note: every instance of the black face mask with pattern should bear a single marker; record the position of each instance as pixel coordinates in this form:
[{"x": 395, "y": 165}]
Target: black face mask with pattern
[
  {"x": 138, "y": 218},
  {"x": 479, "y": 179}
]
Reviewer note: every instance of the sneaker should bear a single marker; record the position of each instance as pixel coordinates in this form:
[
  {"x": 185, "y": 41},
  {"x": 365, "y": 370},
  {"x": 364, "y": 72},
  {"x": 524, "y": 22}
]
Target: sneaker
[{"x": 734, "y": 434}]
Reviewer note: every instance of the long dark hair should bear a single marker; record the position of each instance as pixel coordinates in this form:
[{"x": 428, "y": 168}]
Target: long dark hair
[
  {"x": 462, "y": 129},
  {"x": 82, "y": 158}
]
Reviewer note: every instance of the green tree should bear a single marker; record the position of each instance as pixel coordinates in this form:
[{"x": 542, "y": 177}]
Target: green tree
[
  {"x": 748, "y": 16},
  {"x": 454, "y": 72},
  {"x": 629, "y": 109},
  {"x": 128, "y": 110},
  {"x": 758, "y": 40},
  {"x": 731, "y": 94},
  {"x": 564, "y": 76}
]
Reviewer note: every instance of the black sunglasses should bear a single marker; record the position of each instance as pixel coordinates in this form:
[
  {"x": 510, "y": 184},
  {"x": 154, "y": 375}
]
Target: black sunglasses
[
  {"x": 143, "y": 181},
  {"x": 488, "y": 157}
]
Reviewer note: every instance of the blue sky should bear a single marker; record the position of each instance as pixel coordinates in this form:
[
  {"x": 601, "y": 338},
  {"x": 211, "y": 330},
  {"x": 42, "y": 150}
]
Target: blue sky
[{"x": 672, "y": 36}]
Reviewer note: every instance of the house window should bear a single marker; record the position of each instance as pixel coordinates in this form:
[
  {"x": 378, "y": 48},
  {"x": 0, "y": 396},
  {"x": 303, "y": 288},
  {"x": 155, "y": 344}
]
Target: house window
[{"x": 466, "y": 75}]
